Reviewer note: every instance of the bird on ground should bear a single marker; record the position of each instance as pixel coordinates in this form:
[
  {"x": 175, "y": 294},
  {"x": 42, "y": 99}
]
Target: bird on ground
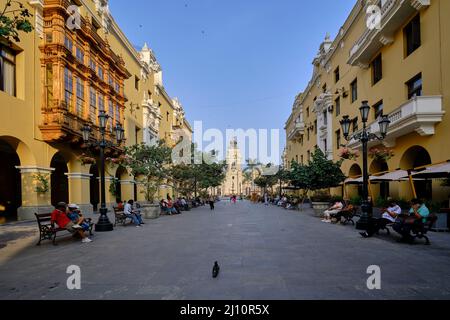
[{"x": 215, "y": 270}]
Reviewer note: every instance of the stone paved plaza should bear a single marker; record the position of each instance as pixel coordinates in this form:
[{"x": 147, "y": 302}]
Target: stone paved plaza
[{"x": 264, "y": 253}]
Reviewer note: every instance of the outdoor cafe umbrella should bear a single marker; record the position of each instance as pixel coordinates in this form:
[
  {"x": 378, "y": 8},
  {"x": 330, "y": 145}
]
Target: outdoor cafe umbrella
[
  {"x": 398, "y": 175},
  {"x": 357, "y": 180},
  {"x": 437, "y": 171}
]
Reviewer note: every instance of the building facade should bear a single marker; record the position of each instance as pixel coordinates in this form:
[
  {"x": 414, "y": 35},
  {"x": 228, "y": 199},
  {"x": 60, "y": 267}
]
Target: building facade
[
  {"x": 75, "y": 63},
  {"x": 401, "y": 67},
  {"x": 234, "y": 180}
]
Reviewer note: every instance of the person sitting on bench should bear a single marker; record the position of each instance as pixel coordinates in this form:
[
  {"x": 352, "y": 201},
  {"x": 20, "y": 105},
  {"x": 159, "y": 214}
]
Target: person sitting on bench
[
  {"x": 347, "y": 210},
  {"x": 417, "y": 215},
  {"x": 59, "y": 216},
  {"x": 389, "y": 216},
  {"x": 76, "y": 217},
  {"x": 133, "y": 214},
  {"x": 166, "y": 209},
  {"x": 184, "y": 204},
  {"x": 336, "y": 208}
]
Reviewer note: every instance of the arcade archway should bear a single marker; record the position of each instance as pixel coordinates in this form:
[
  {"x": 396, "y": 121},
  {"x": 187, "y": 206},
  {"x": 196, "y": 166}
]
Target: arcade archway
[
  {"x": 10, "y": 186},
  {"x": 415, "y": 157},
  {"x": 380, "y": 190}
]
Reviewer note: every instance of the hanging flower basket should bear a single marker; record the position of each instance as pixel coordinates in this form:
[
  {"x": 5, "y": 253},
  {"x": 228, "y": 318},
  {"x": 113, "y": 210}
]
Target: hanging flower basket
[
  {"x": 381, "y": 153},
  {"x": 121, "y": 160},
  {"x": 85, "y": 159},
  {"x": 348, "y": 154}
]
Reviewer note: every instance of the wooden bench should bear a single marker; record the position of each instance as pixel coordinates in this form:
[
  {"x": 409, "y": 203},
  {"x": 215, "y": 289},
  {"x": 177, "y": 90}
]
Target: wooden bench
[
  {"x": 48, "y": 230},
  {"x": 348, "y": 213},
  {"x": 121, "y": 217},
  {"x": 419, "y": 231}
]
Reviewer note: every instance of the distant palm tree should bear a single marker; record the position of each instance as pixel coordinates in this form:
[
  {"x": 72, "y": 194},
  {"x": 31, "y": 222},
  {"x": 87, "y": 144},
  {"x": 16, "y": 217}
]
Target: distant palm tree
[{"x": 250, "y": 170}]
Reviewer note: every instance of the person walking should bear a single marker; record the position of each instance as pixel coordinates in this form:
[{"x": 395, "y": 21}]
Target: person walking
[{"x": 211, "y": 202}]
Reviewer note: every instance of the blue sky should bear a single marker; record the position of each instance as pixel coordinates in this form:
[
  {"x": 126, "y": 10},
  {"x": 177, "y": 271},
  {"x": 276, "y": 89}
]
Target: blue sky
[{"x": 233, "y": 63}]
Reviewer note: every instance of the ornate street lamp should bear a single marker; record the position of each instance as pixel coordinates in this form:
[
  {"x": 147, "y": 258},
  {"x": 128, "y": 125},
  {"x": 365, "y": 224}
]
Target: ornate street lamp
[
  {"x": 365, "y": 136},
  {"x": 103, "y": 223}
]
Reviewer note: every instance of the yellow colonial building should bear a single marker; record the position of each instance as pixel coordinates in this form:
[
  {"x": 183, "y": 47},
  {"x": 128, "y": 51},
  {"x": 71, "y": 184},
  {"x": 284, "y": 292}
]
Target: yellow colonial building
[
  {"x": 400, "y": 64},
  {"x": 76, "y": 62}
]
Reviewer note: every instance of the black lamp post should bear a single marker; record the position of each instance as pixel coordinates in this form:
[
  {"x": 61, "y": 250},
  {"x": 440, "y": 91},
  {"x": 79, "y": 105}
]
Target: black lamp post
[
  {"x": 365, "y": 136},
  {"x": 103, "y": 223}
]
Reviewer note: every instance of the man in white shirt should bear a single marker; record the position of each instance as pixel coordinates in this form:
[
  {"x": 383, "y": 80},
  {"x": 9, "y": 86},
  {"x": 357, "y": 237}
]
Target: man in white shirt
[
  {"x": 335, "y": 209},
  {"x": 135, "y": 216},
  {"x": 392, "y": 212},
  {"x": 389, "y": 216}
]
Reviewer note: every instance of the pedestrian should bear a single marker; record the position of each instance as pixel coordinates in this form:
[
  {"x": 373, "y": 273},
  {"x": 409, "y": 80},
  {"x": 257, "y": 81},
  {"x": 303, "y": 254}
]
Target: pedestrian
[{"x": 211, "y": 202}]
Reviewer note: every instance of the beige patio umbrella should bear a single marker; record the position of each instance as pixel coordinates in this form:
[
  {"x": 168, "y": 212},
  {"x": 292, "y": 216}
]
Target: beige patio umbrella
[
  {"x": 358, "y": 180},
  {"x": 398, "y": 175}
]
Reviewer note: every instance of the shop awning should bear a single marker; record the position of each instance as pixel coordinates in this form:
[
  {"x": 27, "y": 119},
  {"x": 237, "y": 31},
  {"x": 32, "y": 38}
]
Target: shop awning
[
  {"x": 438, "y": 171},
  {"x": 357, "y": 180},
  {"x": 398, "y": 175},
  {"x": 354, "y": 181}
]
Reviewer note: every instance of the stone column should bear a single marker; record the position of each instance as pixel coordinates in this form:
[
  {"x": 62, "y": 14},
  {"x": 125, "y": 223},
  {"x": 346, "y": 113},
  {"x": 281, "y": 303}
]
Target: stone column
[
  {"x": 79, "y": 190},
  {"x": 36, "y": 195},
  {"x": 109, "y": 198},
  {"x": 127, "y": 189}
]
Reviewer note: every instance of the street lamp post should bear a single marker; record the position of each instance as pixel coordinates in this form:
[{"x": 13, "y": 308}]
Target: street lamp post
[
  {"x": 365, "y": 136},
  {"x": 103, "y": 223}
]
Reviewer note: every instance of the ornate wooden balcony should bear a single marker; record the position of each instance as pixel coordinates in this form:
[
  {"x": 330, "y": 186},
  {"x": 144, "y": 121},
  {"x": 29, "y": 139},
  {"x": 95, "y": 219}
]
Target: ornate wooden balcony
[{"x": 61, "y": 125}]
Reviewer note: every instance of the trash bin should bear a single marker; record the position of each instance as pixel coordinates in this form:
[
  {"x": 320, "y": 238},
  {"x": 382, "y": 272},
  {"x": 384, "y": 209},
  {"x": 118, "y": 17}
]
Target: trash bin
[{"x": 442, "y": 221}]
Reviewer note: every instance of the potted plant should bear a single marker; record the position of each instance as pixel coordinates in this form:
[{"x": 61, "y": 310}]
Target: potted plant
[
  {"x": 86, "y": 159},
  {"x": 320, "y": 201},
  {"x": 381, "y": 153},
  {"x": 42, "y": 185},
  {"x": 348, "y": 154}
]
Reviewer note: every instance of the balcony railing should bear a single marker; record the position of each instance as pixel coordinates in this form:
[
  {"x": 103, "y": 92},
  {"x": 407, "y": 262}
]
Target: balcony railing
[
  {"x": 420, "y": 115},
  {"x": 297, "y": 131},
  {"x": 63, "y": 124},
  {"x": 394, "y": 14}
]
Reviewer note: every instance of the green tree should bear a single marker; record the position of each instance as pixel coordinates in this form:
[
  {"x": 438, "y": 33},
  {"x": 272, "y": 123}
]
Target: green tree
[
  {"x": 283, "y": 176},
  {"x": 150, "y": 162},
  {"x": 248, "y": 177},
  {"x": 194, "y": 177},
  {"x": 266, "y": 181},
  {"x": 299, "y": 176},
  {"x": 14, "y": 19},
  {"x": 324, "y": 173}
]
